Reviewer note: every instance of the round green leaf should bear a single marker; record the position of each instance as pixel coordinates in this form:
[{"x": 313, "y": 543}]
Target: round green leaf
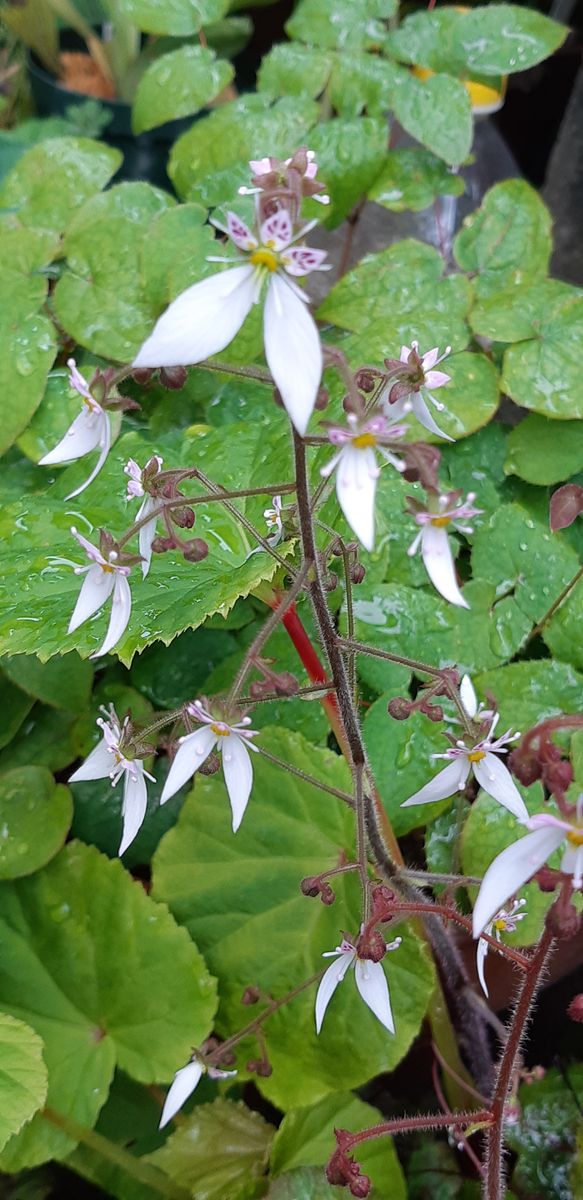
[
  {"x": 437, "y": 112},
  {"x": 103, "y": 975},
  {"x": 55, "y": 178},
  {"x": 35, "y": 815},
  {"x": 362, "y": 82},
  {"x": 177, "y": 18},
  {"x": 178, "y": 84},
  {"x": 350, "y": 155},
  {"x": 543, "y": 373},
  {"x": 543, "y": 452},
  {"x": 412, "y": 179},
  {"x": 15, "y": 706},
  {"x": 190, "y": 1157},
  {"x": 27, "y": 350},
  {"x": 518, "y": 313},
  {"x": 292, "y": 70},
  {"x": 507, "y": 241},
  {"x": 503, "y": 38},
  {"x": 48, "y": 738},
  {"x": 267, "y": 933},
  {"x": 563, "y": 634},
  {"x": 23, "y": 1076},
  {"x": 63, "y": 683},
  {"x": 529, "y": 692},
  {"x": 341, "y": 25}
]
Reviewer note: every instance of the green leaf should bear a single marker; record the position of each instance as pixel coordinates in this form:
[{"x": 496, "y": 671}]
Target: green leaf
[
  {"x": 15, "y": 706},
  {"x": 166, "y": 674},
  {"x": 177, "y": 18},
  {"x": 507, "y": 241},
  {"x": 63, "y": 683},
  {"x": 519, "y": 312},
  {"x": 102, "y": 974},
  {"x": 503, "y": 38},
  {"x": 178, "y": 84},
  {"x": 350, "y": 155},
  {"x": 211, "y": 161},
  {"x": 437, "y": 112},
  {"x": 340, "y": 24},
  {"x": 546, "y": 1134},
  {"x": 269, "y": 934},
  {"x": 400, "y": 755},
  {"x": 545, "y": 452},
  {"x": 190, "y": 1157},
  {"x": 53, "y": 179},
  {"x": 562, "y": 633},
  {"x": 306, "y": 1138},
  {"x": 309, "y": 1183},
  {"x": 49, "y": 738},
  {"x": 529, "y": 692},
  {"x": 292, "y": 70},
  {"x": 35, "y": 815},
  {"x": 543, "y": 373},
  {"x": 432, "y": 1171},
  {"x": 23, "y": 1075},
  {"x": 176, "y": 595},
  {"x": 363, "y": 81},
  {"x": 412, "y": 179}
]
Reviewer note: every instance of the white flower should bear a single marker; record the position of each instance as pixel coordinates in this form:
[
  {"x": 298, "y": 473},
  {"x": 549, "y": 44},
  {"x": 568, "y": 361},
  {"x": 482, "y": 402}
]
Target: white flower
[
  {"x": 135, "y": 490},
  {"x": 89, "y": 431},
  {"x": 234, "y": 743},
  {"x": 448, "y": 510},
  {"x": 414, "y": 380},
  {"x": 520, "y": 861},
  {"x": 105, "y": 577},
  {"x": 184, "y": 1084},
  {"x": 489, "y": 771},
  {"x": 274, "y": 521},
  {"x": 470, "y": 702},
  {"x": 260, "y": 167},
  {"x": 370, "y": 977},
  {"x": 357, "y": 470},
  {"x": 505, "y": 921},
  {"x": 205, "y": 318},
  {"x": 108, "y": 759}
]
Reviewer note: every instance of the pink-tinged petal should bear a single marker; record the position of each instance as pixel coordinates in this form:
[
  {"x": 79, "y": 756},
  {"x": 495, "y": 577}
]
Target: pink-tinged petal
[
  {"x": 238, "y": 772},
  {"x": 543, "y": 820},
  {"x": 184, "y": 1083},
  {"x": 193, "y": 751},
  {"x": 405, "y": 352},
  {"x": 97, "y": 588},
  {"x": 240, "y": 233},
  {"x": 430, "y": 358},
  {"x": 260, "y": 166},
  {"x": 511, "y": 870},
  {"x": 439, "y": 564},
  {"x": 292, "y": 350},
  {"x": 91, "y": 551},
  {"x": 98, "y": 765},
  {"x": 147, "y": 533},
  {"x": 436, "y": 379},
  {"x": 371, "y": 982},
  {"x": 135, "y": 802},
  {"x": 329, "y": 982},
  {"x": 201, "y": 321},
  {"x": 121, "y": 607},
  {"x": 452, "y": 779},
  {"x": 356, "y": 482},
  {"x": 81, "y": 438},
  {"x": 421, "y": 411},
  {"x": 277, "y": 230},
  {"x": 301, "y": 260},
  {"x": 468, "y": 696},
  {"x": 105, "y": 443},
  {"x": 481, "y": 953},
  {"x": 497, "y": 781}
]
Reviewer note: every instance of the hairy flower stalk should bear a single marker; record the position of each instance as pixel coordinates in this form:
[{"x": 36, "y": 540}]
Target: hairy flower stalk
[
  {"x": 356, "y": 467},
  {"x": 113, "y": 758},
  {"x": 206, "y": 317},
  {"x": 90, "y": 431},
  {"x": 234, "y": 742},
  {"x": 444, "y": 512}
]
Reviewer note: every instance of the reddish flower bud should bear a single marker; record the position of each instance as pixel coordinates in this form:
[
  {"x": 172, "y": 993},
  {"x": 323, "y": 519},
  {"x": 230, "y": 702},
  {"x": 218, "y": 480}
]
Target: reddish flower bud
[
  {"x": 142, "y": 375},
  {"x": 558, "y": 776},
  {"x": 357, "y": 573},
  {"x": 526, "y": 767},
  {"x": 161, "y": 544},
  {"x": 310, "y": 886},
  {"x": 173, "y": 378},
  {"x": 195, "y": 550},
  {"x": 260, "y": 1066},
  {"x": 365, "y": 380},
  {"x": 575, "y": 1009},
  {"x": 547, "y": 879},
  {"x": 360, "y": 1186},
  {"x": 327, "y": 895},
  {"x": 322, "y": 399},
  {"x": 399, "y": 708},
  {"x": 251, "y": 995},
  {"x": 331, "y": 581},
  {"x": 433, "y": 711},
  {"x": 183, "y": 517},
  {"x": 564, "y": 921},
  {"x": 371, "y": 945}
]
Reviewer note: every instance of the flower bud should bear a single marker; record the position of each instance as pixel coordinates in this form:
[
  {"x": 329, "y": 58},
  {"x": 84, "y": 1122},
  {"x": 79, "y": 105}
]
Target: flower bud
[
  {"x": 371, "y": 945},
  {"x": 251, "y": 995},
  {"x": 310, "y": 886},
  {"x": 195, "y": 550},
  {"x": 575, "y": 1009},
  {"x": 331, "y": 581},
  {"x": 326, "y": 894},
  {"x": 322, "y": 399},
  {"x": 365, "y": 380},
  {"x": 161, "y": 544},
  {"x": 210, "y": 765},
  {"x": 173, "y": 378},
  {"x": 558, "y": 776},
  {"x": 357, "y": 573},
  {"x": 564, "y": 921},
  {"x": 142, "y": 375},
  {"x": 547, "y": 879},
  {"x": 260, "y": 1066},
  {"x": 399, "y": 708},
  {"x": 526, "y": 767},
  {"x": 433, "y": 712},
  {"x": 183, "y": 517},
  {"x": 360, "y": 1186}
]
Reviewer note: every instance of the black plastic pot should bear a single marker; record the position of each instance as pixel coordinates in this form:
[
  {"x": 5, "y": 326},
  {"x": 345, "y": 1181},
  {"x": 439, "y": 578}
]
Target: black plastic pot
[{"x": 144, "y": 155}]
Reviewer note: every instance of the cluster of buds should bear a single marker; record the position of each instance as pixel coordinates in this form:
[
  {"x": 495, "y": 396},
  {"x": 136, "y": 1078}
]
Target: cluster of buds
[
  {"x": 343, "y": 1171},
  {"x": 542, "y": 759},
  {"x": 285, "y": 183},
  {"x": 157, "y": 487},
  {"x": 172, "y": 379}
]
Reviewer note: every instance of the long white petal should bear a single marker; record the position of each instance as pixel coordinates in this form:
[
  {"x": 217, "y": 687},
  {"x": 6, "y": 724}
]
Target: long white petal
[
  {"x": 572, "y": 863},
  {"x": 193, "y": 751},
  {"x": 238, "y": 772},
  {"x": 511, "y": 869},
  {"x": 105, "y": 443},
  {"x": 201, "y": 321},
  {"x": 356, "y": 482},
  {"x": 371, "y": 982},
  {"x": 452, "y": 779},
  {"x": 121, "y": 607},
  {"x": 147, "y": 533},
  {"x": 439, "y": 564},
  {"x": 421, "y": 411},
  {"x": 329, "y": 982},
  {"x": 97, "y": 588},
  {"x": 183, "y": 1085},
  {"x": 481, "y": 953},
  {"x": 83, "y": 436},
  {"x": 497, "y": 781},
  {"x": 98, "y": 765},
  {"x": 468, "y": 696},
  {"x": 292, "y": 350},
  {"x": 135, "y": 802}
]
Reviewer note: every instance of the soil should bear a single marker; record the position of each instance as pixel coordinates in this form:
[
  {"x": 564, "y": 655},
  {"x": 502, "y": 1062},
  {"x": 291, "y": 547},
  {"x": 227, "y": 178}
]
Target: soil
[{"x": 80, "y": 73}]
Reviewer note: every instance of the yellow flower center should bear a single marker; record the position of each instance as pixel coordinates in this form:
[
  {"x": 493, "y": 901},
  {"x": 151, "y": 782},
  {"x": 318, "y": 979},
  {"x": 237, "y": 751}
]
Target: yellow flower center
[
  {"x": 575, "y": 837},
  {"x": 363, "y": 441},
  {"x": 220, "y": 730},
  {"x": 440, "y": 522},
  {"x": 500, "y": 924},
  {"x": 476, "y": 756},
  {"x": 106, "y": 567},
  {"x": 264, "y": 258}
]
